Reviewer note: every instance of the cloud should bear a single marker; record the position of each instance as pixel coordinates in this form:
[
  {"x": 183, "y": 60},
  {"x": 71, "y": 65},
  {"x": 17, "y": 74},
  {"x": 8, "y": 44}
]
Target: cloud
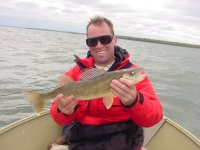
[
  {"x": 160, "y": 19},
  {"x": 186, "y": 7}
]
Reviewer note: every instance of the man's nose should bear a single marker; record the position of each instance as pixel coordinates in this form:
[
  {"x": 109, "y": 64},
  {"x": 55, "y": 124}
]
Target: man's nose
[{"x": 99, "y": 44}]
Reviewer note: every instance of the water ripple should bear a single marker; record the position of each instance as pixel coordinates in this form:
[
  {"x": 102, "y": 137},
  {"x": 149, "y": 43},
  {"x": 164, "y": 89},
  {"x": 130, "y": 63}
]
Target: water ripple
[{"x": 34, "y": 59}]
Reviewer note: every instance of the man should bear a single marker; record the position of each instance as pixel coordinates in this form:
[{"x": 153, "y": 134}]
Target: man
[{"x": 91, "y": 124}]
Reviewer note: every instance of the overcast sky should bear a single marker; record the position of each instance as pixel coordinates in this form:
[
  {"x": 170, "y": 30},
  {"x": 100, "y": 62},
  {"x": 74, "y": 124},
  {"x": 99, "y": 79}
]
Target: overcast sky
[{"x": 172, "y": 20}]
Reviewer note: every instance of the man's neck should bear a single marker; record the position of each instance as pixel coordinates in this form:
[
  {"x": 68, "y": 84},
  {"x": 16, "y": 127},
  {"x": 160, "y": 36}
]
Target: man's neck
[{"x": 105, "y": 67}]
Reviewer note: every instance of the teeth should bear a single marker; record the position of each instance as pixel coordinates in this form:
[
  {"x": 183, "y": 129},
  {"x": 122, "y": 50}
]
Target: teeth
[{"x": 100, "y": 52}]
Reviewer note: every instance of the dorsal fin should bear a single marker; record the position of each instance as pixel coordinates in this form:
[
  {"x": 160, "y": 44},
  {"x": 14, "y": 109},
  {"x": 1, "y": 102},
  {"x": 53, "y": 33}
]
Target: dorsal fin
[{"x": 91, "y": 73}]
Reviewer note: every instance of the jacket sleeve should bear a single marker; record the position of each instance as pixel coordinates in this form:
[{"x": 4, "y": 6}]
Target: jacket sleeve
[
  {"x": 147, "y": 111},
  {"x": 59, "y": 117}
]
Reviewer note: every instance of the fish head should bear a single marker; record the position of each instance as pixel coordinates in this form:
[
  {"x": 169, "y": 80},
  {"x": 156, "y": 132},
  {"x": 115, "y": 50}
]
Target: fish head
[{"x": 135, "y": 74}]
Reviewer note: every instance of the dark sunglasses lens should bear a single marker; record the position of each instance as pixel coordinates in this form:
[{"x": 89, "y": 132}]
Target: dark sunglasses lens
[
  {"x": 105, "y": 39},
  {"x": 91, "y": 42}
]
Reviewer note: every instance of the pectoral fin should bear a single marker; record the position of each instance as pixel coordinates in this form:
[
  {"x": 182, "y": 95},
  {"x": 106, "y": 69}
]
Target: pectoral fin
[{"x": 108, "y": 100}]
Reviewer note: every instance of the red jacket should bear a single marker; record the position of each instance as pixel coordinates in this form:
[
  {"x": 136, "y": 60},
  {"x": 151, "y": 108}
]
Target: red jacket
[{"x": 146, "y": 112}]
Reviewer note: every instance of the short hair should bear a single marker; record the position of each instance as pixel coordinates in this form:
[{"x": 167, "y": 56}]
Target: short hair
[{"x": 97, "y": 20}]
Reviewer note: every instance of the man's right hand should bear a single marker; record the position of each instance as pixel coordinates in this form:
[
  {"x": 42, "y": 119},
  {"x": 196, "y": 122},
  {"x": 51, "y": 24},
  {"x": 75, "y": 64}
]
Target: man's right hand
[{"x": 66, "y": 105}]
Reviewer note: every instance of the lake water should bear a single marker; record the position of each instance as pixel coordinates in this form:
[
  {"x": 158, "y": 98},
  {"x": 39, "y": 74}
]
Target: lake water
[{"x": 34, "y": 59}]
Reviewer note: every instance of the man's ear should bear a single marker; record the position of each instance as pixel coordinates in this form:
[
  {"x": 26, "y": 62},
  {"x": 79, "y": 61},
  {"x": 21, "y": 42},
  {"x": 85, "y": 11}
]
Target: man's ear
[{"x": 115, "y": 39}]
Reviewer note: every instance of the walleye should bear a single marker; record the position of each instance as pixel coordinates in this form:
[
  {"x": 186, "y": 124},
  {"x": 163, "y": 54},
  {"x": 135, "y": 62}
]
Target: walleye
[{"x": 91, "y": 88}]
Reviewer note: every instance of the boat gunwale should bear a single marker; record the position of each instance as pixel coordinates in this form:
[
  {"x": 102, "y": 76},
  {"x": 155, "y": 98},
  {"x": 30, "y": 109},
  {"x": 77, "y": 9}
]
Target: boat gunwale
[
  {"x": 183, "y": 130},
  {"x": 22, "y": 121},
  {"x": 46, "y": 112}
]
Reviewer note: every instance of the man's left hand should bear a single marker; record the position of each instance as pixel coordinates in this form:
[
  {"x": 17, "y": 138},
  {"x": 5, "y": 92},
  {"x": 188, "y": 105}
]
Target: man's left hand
[{"x": 125, "y": 90}]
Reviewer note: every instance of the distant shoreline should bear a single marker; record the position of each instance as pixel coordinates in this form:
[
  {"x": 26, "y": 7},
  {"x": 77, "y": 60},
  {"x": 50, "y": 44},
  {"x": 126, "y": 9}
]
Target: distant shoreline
[
  {"x": 159, "y": 41},
  {"x": 124, "y": 37}
]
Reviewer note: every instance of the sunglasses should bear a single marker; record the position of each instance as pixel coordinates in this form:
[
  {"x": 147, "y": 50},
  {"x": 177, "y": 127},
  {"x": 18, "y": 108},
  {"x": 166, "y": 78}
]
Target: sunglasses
[{"x": 105, "y": 39}]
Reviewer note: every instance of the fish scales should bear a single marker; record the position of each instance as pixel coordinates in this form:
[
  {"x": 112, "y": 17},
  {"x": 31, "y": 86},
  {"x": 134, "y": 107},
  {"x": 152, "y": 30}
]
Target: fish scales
[{"x": 87, "y": 89}]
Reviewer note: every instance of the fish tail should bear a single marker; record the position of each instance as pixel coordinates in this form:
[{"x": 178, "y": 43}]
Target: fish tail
[{"x": 36, "y": 99}]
